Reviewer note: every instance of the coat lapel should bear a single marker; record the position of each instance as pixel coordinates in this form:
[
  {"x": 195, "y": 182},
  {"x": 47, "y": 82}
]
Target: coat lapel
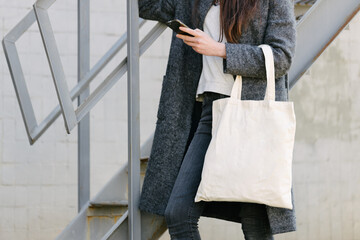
[{"x": 204, "y": 7}]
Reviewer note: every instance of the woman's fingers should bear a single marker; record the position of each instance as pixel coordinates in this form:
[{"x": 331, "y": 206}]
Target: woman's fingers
[
  {"x": 187, "y": 38},
  {"x": 197, "y": 41},
  {"x": 189, "y": 30},
  {"x": 196, "y": 33},
  {"x": 190, "y": 43}
]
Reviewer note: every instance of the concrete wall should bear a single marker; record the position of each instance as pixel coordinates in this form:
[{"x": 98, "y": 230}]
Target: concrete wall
[{"x": 38, "y": 184}]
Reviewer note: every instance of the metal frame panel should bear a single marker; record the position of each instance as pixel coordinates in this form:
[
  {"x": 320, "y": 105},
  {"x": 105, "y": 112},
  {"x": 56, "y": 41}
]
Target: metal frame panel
[
  {"x": 33, "y": 130},
  {"x": 83, "y": 84},
  {"x": 16, "y": 71},
  {"x": 57, "y": 71},
  {"x": 17, "y": 75},
  {"x": 71, "y": 116}
]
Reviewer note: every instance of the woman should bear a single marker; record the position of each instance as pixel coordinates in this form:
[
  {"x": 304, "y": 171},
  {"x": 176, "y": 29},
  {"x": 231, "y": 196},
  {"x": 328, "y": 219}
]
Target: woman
[{"x": 194, "y": 79}]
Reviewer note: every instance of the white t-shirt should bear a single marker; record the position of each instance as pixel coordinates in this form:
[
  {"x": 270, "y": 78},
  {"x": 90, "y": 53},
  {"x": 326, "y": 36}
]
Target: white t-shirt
[{"x": 212, "y": 77}]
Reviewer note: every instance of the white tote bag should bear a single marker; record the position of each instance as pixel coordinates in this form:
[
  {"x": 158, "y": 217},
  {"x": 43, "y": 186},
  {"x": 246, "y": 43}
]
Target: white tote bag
[{"x": 249, "y": 158}]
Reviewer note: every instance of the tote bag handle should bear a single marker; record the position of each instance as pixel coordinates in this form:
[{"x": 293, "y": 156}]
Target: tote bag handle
[{"x": 270, "y": 76}]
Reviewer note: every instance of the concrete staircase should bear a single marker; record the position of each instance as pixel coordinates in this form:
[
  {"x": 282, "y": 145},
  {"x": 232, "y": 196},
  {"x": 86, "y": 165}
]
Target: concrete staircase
[{"x": 105, "y": 216}]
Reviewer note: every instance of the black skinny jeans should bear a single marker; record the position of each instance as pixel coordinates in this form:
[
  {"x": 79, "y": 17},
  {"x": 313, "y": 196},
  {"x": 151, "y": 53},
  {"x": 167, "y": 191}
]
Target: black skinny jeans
[{"x": 182, "y": 213}]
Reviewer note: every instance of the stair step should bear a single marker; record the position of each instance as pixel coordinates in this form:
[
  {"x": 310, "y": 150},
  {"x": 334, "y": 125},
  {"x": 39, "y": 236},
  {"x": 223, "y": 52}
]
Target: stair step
[
  {"x": 144, "y": 159},
  {"x": 143, "y": 165},
  {"x": 101, "y": 217},
  {"x": 120, "y": 203}
]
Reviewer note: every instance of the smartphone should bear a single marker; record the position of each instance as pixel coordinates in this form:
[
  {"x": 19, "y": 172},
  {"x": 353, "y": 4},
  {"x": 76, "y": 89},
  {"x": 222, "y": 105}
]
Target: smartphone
[{"x": 175, "y": 24}]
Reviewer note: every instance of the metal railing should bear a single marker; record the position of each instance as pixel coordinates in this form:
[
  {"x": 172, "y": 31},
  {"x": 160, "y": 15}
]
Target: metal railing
[
  {"x": 34, "y": 131},
  {"x": 87, "y": 100}
]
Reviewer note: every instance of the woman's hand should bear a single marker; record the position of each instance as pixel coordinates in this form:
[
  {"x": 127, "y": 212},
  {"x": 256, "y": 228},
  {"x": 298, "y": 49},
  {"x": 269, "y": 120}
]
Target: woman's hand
[{"x": 202, "y": 43}]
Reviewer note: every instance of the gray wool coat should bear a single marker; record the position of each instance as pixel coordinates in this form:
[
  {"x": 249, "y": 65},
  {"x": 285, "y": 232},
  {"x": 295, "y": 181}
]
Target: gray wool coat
[{"x": 272, "y": 24}]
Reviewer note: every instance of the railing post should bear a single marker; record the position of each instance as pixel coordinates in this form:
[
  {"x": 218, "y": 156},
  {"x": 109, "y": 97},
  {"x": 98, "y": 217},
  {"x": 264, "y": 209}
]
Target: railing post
[
  {"x": 84, "y": 124},
  {"x": 133, "y": 92}
]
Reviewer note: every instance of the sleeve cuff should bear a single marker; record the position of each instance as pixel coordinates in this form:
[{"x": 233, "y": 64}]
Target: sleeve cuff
[
  {"x": 225, "y": 69},
  {"x": 225, "y": 62},
  {"x": 229, "y": 63}
]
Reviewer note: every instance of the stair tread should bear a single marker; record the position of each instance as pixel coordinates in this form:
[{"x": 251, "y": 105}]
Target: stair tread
[
  {"x": 120, "y": 203},
  {"x": 144, "y": 159}
]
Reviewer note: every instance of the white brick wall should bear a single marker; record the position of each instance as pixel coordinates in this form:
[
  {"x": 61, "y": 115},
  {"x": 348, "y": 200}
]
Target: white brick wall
[{"x": 38, "y": 184}]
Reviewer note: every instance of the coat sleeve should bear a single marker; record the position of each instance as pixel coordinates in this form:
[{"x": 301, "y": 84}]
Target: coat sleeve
[
  {"x": 158, "y": 10},
  {"x": 280, "y": 34}
]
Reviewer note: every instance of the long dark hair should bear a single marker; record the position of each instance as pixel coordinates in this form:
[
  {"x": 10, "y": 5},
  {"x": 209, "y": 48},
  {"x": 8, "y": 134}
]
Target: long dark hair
[{"x": 234, "y": 16}]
